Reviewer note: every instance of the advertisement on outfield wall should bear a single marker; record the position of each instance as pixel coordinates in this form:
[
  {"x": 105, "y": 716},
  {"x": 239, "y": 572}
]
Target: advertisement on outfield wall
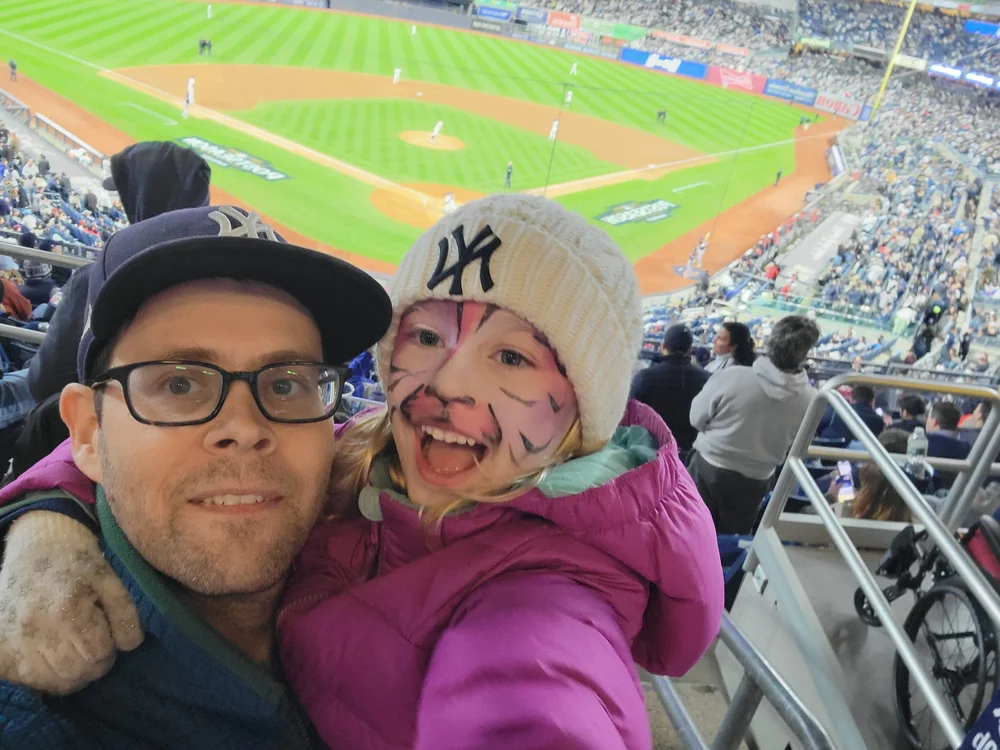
[
  {"x": 532, "y": 15},
  {"x": 733, "y": 79},
  {"x": 790, "y": 91},
  {"x": 491, "y": 27},
  {"x": 815, "y": 42},
  {"x": 597, "y": 25},
  {"x": 303, "y": 3},
  {"x": 839, "y": 104},
  {"x": 731, "y": 50},
  {"x": 562, "y": 20},
  {"x": 500, "y": 14},
  {"x": 913, "y": 63},
  {"x": 629, "y": 33},
  {"x": 687, "y": 41},
  {"x": 673, "y": 65},
  {"x": 608, "y": 53}
]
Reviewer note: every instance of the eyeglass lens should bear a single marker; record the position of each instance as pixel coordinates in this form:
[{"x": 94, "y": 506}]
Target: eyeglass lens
[{"x": 167, "y": 393}]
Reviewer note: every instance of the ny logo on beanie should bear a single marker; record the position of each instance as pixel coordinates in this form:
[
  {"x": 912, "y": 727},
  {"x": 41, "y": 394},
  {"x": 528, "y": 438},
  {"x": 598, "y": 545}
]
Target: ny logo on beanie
[{"x": 481, "y": 249}]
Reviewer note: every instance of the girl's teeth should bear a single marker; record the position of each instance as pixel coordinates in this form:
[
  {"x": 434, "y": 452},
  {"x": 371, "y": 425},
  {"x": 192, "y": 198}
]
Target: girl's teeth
[
  {"x": 447, "y": 437},
  {"x": 233, "y": 500}
]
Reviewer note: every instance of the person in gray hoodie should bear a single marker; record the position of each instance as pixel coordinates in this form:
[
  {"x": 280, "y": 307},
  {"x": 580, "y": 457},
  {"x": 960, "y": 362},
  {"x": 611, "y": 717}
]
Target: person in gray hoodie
[{"x": 746, "y": 419}]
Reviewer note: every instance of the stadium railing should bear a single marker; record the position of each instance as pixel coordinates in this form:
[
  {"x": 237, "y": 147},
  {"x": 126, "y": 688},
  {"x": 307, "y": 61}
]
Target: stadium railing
[
  {"x": 14, "y": 106},
  {"x": 72, "y": 250},
  {"x": 65, "y": 140}
]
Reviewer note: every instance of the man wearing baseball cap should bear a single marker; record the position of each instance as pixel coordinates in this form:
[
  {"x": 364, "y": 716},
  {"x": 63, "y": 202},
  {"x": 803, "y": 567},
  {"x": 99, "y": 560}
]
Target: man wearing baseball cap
[
  {"x": 670, "y": 385},
  {"x": 210, "y": 366}
]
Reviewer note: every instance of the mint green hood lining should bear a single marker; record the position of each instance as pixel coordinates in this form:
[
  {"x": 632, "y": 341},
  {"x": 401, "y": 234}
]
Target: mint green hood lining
[{"x": 628, "y": 449}]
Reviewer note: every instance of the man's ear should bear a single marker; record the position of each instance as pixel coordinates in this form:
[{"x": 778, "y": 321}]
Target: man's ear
[{"x": 76, "y": 407}]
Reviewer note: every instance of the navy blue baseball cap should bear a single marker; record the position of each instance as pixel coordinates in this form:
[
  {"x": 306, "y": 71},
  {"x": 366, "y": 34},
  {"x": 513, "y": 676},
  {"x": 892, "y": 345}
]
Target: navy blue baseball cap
[{"x": 351, "y": 308}]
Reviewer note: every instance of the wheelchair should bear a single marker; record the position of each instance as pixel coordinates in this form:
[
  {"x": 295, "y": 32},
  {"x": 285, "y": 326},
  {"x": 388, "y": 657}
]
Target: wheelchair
[{"x": 952, "y": 635}]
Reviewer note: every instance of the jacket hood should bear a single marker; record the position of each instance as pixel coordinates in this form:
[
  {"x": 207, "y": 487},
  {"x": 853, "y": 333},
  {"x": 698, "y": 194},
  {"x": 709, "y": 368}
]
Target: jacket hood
[
  {"x": 154, "y": 177},
  {"x": 650, "y": 518},
  {"x": 777, "y": 384}
]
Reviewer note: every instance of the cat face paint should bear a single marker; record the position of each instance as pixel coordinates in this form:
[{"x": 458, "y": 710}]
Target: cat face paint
[{"x": 469, "y": 384}]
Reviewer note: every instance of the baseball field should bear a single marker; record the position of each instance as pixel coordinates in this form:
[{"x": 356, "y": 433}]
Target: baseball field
[{"x": 297, "y": 111}]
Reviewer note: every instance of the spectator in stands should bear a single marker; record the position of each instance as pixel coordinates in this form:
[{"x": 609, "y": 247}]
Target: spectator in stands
[
  {"x": 44, "y": 168},
  {"x": 13, "y": 302},
  {"x": 746, "y": 419},
  {"x": 151, "y": 177},
  {"x": 911, "y": 412},
  {"x": 30, "y": 170},
  {"x": 207, "y": 670},
  {"x": 38, "y": 284},
  {"x": 733, "y": 345},
  {"x": 972, "y": 426},
  {"x": 670, "y": 385},
  {"x": 876, "y": 499},
  {"x": 833, "y": 429},
  {"x": 944, "y": 440}
]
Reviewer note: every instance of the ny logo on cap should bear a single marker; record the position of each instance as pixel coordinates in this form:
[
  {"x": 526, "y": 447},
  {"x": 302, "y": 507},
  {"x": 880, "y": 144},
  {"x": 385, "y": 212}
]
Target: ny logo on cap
[
  {"x": 248, "y": 225},
  {"x": 481, "y": 249}
]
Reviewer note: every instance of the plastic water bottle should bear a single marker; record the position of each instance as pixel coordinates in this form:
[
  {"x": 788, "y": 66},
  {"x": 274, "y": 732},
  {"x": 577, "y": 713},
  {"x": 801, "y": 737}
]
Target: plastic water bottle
[{"x": 916, "y": 453}]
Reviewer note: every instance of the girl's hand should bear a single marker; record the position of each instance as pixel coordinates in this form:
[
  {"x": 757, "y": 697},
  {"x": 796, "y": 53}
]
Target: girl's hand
[{"x": 63, "y": 612}]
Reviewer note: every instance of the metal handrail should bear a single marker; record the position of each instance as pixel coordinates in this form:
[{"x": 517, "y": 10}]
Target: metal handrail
[
  {"x": 954, "y": 465},
  {"x": 760, "y": 680},
  {"x": 53, "y": 259},
  {"x": 795, "y": 470},
  {"x": 21, "y": 334}
]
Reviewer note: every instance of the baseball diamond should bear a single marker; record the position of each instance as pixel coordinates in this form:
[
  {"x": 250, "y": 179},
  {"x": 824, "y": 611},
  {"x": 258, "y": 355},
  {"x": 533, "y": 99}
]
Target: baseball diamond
[{"x": 303, "y": 118}]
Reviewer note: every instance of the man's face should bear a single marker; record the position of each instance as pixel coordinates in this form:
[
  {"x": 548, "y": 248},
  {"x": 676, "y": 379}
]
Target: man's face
[
  {"x": 222, "y": 507},
  {"x": 477, "y": 397}
]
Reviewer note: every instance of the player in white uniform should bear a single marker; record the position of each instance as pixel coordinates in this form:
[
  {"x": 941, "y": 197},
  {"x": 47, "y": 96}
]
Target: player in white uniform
[
  {"x": 209, "y": 11},
  {"x": 395, "y": 75},
  {"x": 572, "y": 71},
  {"x": 189, "y": 97},
  {"x": 437, "y": 130},
  {"x": 413, "y": 30},
  {"x": 569, "y": 98},
  {"x": 449, "y": 204},
  {"x": 554, "y": 131}
]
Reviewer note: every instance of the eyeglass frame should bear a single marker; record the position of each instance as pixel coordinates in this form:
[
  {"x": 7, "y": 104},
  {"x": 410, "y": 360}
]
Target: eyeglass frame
[{"x": 121, "y": 374}]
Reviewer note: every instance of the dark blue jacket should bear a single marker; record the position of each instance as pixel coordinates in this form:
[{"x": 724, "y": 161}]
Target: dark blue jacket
[
  {"x": 832, "y": 427},
  {"x": 185, "y": 687}
]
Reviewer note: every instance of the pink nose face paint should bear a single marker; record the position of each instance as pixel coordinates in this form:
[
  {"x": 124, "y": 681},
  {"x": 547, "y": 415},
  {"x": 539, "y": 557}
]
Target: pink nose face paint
[{"x": 478, "y": 398}]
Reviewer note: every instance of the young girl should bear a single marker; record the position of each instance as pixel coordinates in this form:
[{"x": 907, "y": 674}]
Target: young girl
[{"x": 509, "y": 536}]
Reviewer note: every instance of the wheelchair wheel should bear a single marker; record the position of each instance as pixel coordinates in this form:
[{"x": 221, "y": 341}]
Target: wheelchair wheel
[
  {"x": 947, "y": 630},
  {"x": 864, "y": 609}
]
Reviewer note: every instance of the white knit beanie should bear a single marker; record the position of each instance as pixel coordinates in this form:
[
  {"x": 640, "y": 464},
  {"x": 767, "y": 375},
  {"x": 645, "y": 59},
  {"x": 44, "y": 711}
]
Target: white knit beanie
[{"x": 533, "y": 257}]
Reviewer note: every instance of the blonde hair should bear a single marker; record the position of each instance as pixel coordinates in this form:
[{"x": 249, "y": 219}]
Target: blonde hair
[{"x": 370, "y": 436}]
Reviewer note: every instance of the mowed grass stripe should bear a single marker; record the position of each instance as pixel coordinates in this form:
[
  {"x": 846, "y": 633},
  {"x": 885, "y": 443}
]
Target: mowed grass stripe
[{"x": 296, "y": 44}]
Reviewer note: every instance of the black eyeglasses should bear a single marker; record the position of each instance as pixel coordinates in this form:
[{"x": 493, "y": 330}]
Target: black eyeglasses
[{"x": 180, "y": 393}]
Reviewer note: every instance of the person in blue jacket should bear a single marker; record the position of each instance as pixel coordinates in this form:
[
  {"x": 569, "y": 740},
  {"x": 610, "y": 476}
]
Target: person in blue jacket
[{"x": 208, "y": 380}]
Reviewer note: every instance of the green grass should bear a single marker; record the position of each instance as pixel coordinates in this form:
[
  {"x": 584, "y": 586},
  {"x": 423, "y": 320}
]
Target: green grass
[
  {"x": 335, "y": 209},
  {"x": 365, "y": 132}
]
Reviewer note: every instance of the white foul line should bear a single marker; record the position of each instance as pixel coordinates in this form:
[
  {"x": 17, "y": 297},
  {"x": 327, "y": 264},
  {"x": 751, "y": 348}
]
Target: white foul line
[
  {"x": 149, "y": 112},
  {"x": 688, "y": 187}
]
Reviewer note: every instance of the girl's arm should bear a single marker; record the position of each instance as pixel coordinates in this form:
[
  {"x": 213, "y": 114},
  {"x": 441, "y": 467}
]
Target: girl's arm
[{"x": 532, "y": 660}]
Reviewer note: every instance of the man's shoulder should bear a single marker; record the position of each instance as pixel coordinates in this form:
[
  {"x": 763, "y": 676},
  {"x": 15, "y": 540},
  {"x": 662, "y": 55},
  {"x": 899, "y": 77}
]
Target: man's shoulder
[{"x": 26, "y": 721}]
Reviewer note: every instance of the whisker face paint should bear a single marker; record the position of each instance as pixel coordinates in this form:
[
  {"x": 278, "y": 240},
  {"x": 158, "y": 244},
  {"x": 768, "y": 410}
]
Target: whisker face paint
[{"x": 472, "y": 382}]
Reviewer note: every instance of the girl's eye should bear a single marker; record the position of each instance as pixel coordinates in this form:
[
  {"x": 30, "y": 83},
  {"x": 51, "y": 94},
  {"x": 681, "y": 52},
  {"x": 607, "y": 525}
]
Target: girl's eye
[
  {"x": 511, "y": 358},
  {"x": 428, "y": 338}
]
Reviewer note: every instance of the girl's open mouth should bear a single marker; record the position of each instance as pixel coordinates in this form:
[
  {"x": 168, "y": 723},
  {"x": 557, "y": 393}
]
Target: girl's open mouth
[{"x": 449, "y": 453}]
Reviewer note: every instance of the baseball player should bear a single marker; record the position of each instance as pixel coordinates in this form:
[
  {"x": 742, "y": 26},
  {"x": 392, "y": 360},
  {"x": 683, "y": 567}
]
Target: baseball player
[
  {"x": 413, "y": 30},
  {"x": 189, "y": 97},
  {"x": 572, "y": 71},
  {"x": 510, "y": 174},
  {"x": 569, "y": 98},
  {"x": 395, "y": 75},
  {"x": 209, "y": 11},
  {"x": 449, "y": 204},
  {"x": 437, "y": 130},
  {"x": 554, "y": 130}
]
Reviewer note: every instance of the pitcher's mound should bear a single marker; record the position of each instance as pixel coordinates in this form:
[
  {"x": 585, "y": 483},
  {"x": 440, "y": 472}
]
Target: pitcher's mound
[{"x": 423, "y": 138}]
